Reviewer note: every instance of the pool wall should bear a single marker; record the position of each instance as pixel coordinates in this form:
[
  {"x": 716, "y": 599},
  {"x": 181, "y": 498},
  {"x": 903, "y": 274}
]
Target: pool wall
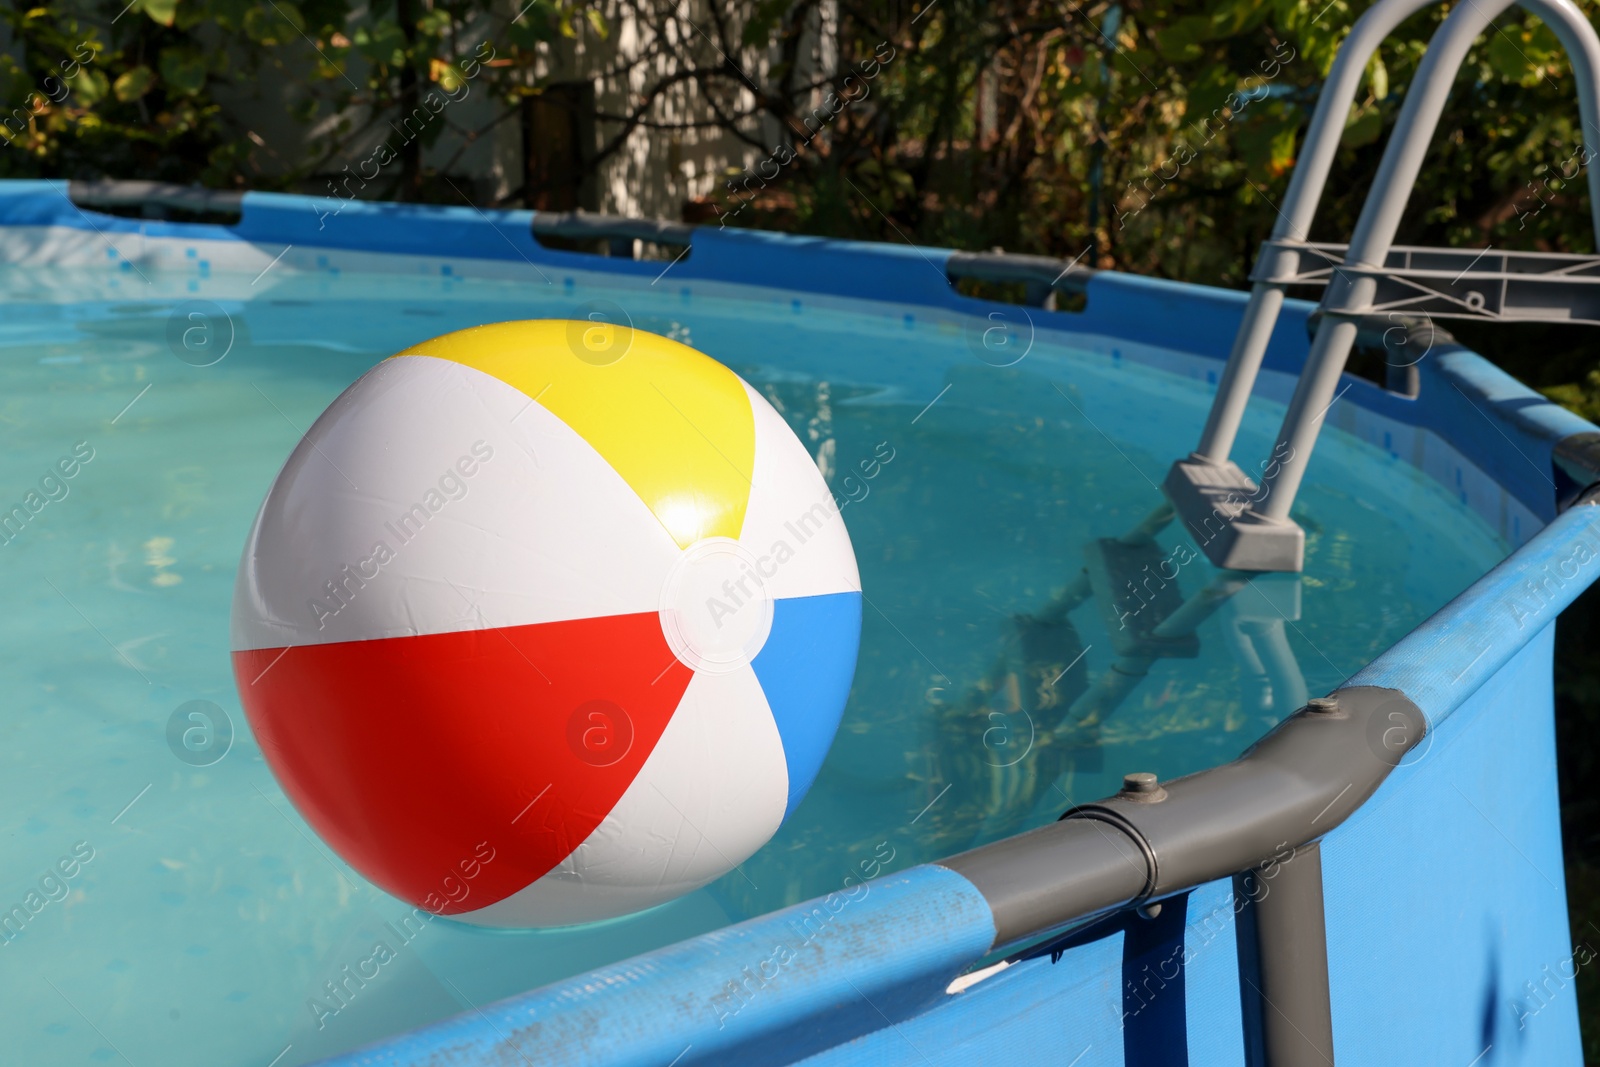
[{"x": 1447, "y": 936}]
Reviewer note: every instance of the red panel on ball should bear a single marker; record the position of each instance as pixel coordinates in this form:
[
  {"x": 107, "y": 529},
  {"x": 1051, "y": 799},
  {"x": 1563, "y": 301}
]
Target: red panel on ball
[{"x": 416, "y": 757}]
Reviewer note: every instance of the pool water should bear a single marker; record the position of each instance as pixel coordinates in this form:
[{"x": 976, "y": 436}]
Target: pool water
[{"x": 174, "y": 909}]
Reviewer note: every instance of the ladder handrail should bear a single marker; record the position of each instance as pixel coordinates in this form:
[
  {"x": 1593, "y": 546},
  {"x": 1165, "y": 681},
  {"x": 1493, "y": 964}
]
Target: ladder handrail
[
  {"x": 1316, "y": 162},
  {"x": 1436, "y": 75},
  {"x": 1348, "y": 295},
  {"x": 1294, "y": 220},
  {"x": 1328, "y": 119}
]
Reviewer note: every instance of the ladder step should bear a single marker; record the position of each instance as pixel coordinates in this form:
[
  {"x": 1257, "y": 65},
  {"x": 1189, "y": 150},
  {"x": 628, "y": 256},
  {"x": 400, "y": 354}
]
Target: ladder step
[{"x": 1213, "y": 501}]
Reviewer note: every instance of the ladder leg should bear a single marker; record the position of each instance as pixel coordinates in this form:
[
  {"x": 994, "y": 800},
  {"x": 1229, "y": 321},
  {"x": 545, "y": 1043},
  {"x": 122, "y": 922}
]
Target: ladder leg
[
  {"x": 1114, "y": 684},
  {"x": 1239, "y": 376},
  {"x": 1312, "y": 397},
  {"x": 1283, "y": 670}
]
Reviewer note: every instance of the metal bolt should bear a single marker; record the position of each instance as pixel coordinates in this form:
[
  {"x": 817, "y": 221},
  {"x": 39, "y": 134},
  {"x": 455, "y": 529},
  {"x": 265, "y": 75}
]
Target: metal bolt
[
  {"x": 1149, "y": 911},
  {"x": 1142, "y": 788},
  {"x": 1322, "y": 706},
  {"x": 1141, "y": 782}
]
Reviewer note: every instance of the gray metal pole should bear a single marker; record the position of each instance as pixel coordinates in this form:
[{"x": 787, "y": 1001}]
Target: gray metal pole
[
  {"x": 1283, "y": 963},
  {"x": 1380, "y": 217}
]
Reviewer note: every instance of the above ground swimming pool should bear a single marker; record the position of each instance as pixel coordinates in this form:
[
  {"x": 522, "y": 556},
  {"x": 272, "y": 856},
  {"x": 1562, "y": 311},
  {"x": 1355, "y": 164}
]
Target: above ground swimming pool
[{"x": 166, "y": 904}]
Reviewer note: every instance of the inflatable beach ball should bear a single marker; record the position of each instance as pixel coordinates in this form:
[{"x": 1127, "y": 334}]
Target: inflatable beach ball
[{"x": 546, "y": 622}]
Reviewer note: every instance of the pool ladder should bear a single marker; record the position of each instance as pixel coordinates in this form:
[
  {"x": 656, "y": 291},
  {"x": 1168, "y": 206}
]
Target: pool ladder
[{"x": 1245, "y": 525}]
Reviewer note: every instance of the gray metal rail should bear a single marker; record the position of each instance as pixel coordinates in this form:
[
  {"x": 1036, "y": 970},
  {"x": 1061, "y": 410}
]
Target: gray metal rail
[
  {"x": 1293, "y": 786},
  {"x": 1257, "y": 819},
  {"x": 1207, "y": 485}
]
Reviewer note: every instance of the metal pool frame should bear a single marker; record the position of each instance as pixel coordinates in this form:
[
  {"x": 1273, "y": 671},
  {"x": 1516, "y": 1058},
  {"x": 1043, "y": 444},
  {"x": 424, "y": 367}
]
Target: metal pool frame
[{"x": 1376, "y": 907}]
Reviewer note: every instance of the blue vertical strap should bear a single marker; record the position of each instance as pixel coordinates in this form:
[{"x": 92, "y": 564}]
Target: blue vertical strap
[
  {"x": 771, "y": 990},
  {"x": 1155, "y": 1027},
  {"x": 1444, "y": 661},
  {"x": 1155, "y": 1001}
]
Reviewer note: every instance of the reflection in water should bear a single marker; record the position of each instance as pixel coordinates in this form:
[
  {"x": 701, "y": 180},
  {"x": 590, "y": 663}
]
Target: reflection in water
[{"x": 1037, "y": 717}]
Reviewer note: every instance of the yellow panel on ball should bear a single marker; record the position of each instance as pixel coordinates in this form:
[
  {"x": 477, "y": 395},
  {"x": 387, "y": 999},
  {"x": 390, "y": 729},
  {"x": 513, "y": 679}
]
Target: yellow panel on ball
[{"x": 676, "y": 425}]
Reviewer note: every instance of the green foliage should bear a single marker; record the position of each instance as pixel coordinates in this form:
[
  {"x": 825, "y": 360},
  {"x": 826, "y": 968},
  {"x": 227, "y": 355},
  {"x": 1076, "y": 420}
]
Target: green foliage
[
  {"x": 1167, "y": 144},
  {"x": 1582, "y": 397},
  {"x": 1089, "y": 127},
  {"x": 141, "y": 95},
  {"x": 1160, "y": 135}
]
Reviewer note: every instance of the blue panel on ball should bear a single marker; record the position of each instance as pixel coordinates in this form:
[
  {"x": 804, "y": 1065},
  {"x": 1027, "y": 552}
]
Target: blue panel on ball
[{"x": 805, "y": 670}]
